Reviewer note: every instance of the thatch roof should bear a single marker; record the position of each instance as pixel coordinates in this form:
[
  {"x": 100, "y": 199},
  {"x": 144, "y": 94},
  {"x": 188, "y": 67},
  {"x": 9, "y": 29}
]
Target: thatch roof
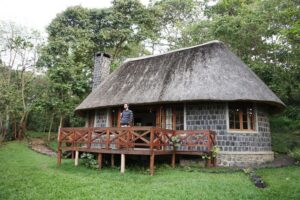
[{"x": 205, "y": 72}]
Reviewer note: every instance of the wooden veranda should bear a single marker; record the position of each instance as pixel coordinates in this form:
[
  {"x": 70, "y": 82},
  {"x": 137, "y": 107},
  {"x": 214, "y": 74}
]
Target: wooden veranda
[{"x": 151, "y": 141}]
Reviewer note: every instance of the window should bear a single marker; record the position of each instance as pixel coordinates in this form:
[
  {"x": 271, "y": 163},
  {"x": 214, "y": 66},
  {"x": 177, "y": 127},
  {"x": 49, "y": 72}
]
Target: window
[
  {"x": 172, "y": 117},
  {"x": 241, "y": 117},
  {"x": 179, "y": 118},
  {"x": 169, "y": 118}
]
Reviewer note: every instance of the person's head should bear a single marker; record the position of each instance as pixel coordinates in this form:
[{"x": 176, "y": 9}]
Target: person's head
[{"x": 126, "y": 105}]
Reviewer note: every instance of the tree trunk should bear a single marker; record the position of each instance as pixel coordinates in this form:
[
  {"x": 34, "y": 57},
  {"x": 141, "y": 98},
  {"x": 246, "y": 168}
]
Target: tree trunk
[
  {"x": 50, "y": 128},
  {"x": 61, "y": 121},
  {"x": 15, "y": 127},
  {"x": 22, "y": 126}
]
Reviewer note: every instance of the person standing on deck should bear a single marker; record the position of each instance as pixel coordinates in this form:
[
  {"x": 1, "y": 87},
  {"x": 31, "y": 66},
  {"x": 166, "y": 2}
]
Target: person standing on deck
[{"x": 126, "y": 116}]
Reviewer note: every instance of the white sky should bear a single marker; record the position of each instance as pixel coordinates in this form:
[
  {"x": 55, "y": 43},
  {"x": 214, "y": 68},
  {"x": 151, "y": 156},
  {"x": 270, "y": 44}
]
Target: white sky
[{"x": 38, "y": 14}]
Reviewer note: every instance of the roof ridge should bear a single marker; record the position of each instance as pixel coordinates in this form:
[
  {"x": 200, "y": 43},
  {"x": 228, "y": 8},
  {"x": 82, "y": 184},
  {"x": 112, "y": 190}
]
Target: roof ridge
[{"x": 173, "y": 51}]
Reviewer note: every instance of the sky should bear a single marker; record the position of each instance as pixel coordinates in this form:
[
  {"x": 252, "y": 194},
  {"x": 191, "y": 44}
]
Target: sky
[{"x": 37, "y": 14}]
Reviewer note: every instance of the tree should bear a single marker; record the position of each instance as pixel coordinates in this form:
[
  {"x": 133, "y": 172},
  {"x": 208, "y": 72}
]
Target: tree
[
  {"x": 76, "y": 34},
  {"x": 19, "y": 49},
  {"x": 173, "y": 16},
  {"x": 265, "y": 34}
]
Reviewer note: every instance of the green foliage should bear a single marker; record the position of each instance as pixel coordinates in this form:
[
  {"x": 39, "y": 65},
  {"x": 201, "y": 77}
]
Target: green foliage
[
  {"x": 175, "y": 140},
  {"x": 89, "y": 160},
  {"x": 213, "y": 153},
  {"x": 172, "y": 17},
  {"x": 20, "y": 85},
  {"x": 265, "y": 34},
  {"x": 295, "y": 153},
  {"x": 75, "y": 35},
  {"x": 37, "y": 176},
  {"x": 53, "y": 144},
  {"x": 36, "y": 134},
  {"x": 285, "y": 130}
]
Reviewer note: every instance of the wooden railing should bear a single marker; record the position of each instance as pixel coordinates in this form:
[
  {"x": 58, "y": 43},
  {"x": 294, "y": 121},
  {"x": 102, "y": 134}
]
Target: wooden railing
[
  {"x": 130, "y": 138},
  {"x": 195, "y": 140}
]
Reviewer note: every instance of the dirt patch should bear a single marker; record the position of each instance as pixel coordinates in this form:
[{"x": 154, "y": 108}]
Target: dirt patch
[{"x": 39, "y": 146}]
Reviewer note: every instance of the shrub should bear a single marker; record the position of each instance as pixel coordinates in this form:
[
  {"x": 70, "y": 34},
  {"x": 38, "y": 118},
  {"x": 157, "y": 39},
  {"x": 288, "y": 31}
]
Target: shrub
[
  {"x": 89, "y": 161},
  {"x": 295, "y": 153}
]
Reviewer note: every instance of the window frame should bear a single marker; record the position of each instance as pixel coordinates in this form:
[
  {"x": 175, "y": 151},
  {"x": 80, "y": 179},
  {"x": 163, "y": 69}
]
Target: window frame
[{"x": 254, "y": 119}]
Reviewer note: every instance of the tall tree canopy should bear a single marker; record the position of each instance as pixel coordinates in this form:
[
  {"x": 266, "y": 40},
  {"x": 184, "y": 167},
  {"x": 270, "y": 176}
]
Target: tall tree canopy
[
  {"x": 76, "y": 34},
  {"x": 265, "y": 34}
]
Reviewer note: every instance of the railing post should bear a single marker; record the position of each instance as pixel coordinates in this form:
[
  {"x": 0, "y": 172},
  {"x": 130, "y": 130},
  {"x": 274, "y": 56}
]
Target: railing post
[
  {"x": 151, "y": 140},
  {"x": 128, "y": 137},
  {"x": 174, "y": 152},
  {"x": 89, "y": 138},
  {"x": 73, "y": 143},
  {"x": 152, "y": 156}
]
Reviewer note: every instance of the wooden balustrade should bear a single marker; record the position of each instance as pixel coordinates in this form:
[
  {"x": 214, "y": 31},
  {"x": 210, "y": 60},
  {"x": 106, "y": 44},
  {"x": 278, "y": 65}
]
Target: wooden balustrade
[
  {"x": 135, "y": 140},
  {"x": 129, "y": 138}
]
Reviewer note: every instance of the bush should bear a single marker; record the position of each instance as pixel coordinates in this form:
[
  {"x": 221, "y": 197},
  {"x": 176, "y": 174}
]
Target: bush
[
  {"x": 295, "y": 153},
  {"x": 89, "y": 161}
]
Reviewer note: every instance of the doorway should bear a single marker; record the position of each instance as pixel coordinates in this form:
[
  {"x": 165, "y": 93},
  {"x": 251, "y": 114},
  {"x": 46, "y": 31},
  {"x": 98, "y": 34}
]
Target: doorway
[{"x": 144, "y": 116}]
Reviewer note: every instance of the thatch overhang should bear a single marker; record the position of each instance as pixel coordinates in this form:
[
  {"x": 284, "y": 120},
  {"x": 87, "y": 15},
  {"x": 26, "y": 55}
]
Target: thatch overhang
[{"x": 207, "y": 72}]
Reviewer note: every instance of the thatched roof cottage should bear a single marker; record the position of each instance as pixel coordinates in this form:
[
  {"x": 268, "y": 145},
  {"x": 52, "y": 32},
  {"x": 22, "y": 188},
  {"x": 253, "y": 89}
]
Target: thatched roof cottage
[{"x": 204, "y": 87}]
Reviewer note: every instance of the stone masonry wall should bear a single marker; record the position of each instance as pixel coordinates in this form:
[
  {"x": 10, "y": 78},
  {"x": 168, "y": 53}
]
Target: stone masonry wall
[
  {"x": 101, "y": 69},
  {"x": 214, "y": 116},
  {"x": 242, "y": 160}
]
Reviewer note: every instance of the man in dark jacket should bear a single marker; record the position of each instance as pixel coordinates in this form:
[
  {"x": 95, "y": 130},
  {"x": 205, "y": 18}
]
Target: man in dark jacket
[{"x": 126, "y": 116}]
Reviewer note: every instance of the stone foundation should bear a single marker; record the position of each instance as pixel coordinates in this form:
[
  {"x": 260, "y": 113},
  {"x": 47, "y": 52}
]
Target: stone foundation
[{"x": 244, "y": 159}]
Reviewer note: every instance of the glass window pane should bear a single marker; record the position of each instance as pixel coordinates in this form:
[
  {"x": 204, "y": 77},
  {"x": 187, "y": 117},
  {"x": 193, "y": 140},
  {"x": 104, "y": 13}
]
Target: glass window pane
[
  {"x": 231, "y": 124},
  {"x": 179, "y": 118},
  {"x": 237, "y": 125},
  {"x": 241, "y": 114},
  {"x": 245, "y": 125}
]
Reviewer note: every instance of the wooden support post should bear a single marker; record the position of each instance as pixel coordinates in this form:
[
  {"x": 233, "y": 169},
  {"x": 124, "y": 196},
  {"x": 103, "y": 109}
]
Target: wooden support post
[
  {"x": 100, "y": 160},
  {"x": 107, "y": 139},
  {"x": 59, "y": 154},
  {"x": 119, "y": 118},
  {"x": 112, "y": 160},
  {"x": 158, "y": 117},
  {"x": 173, "y": 159},
  {"x": 76, "y": 158},
  {"x": 122, "y": 163},
  {"x": 72, "y": 154},
  {"x": 173, "y": 118},
  {"x": 152, "y": 158}
]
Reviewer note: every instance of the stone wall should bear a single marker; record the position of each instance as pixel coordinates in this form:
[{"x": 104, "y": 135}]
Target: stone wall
[
  {"x": 101, "y": 118},
  {"x": 242, "y": 159},
  {"x": 214, "y": 116},
  {"x": 101, "y": 69}
]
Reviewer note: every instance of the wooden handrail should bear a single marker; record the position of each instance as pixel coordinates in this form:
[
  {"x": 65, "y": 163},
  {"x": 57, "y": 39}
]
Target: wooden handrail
[{"x": 154, "y": 138}]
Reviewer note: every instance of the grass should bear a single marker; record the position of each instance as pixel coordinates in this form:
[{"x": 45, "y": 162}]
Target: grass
[
  {"x": 25, "y": 174},
  {"x": 53, "y": 145},
  {"x": 37, "y": 134}
]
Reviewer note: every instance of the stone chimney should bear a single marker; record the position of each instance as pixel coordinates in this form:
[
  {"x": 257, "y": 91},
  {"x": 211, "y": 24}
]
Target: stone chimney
[{"x": 101, "y": 68}]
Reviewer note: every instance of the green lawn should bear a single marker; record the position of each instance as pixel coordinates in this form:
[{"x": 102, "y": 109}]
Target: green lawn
[
  {"x": 25, "y": 174},
  {"x": 53, "y": 145}
]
